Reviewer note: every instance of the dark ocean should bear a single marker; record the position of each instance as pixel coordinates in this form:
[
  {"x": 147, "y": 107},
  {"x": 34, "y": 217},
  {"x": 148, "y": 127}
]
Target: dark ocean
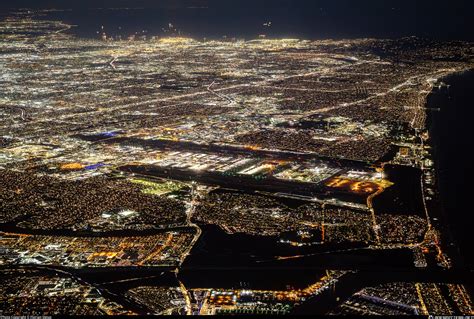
[
  {"x": 309, "y": 19},
  {"x": 452, "y": 138}
]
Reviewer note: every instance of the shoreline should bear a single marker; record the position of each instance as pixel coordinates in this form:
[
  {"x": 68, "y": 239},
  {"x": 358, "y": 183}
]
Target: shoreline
[{"x": 437, "y": 125}]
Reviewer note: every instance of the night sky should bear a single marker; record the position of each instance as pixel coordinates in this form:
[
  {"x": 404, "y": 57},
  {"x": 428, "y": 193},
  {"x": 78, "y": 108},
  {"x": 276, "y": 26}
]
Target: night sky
[{"x": 313, "y": 19}]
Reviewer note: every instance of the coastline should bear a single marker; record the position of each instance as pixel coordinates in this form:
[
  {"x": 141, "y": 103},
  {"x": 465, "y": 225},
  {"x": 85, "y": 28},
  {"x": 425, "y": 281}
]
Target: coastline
[{"x": 450, "y": 204}]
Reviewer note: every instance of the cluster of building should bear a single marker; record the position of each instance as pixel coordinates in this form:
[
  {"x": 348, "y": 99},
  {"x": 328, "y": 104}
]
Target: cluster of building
[
  {"x": 159, "y": 300},
  {"x": 261, "y": 302},
  {"x": 116, "y": 220},
  {"x": 309, "y": 172},
  {"x": 402, "y": 298},
  {"x": 443, "y": 298},
  {"x": 44, "y": 202},
  {"x": 208, "y": 162},
  {"x": 34, "y": 294},
  {"x": 251, "y": 214},
  {"x": 359, "y": 95},
  {"x": 269, "y": 216},
  {"x": 164, "y": 249}
]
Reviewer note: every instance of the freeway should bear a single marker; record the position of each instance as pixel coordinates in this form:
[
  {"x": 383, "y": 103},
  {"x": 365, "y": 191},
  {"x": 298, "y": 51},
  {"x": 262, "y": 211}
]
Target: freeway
[{"x": 189, "y": 214}]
